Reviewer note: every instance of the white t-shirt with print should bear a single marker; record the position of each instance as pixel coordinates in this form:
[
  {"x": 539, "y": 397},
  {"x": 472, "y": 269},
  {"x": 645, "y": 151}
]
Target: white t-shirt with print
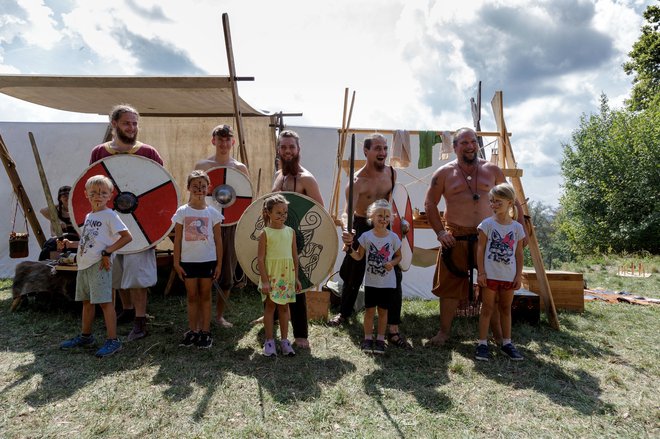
[
  {"x": 500, "y": 256},
  {"x": 197, "y": 243},
  {"x": 100, "y": 230},
  {"x": 379, "y": 251}
]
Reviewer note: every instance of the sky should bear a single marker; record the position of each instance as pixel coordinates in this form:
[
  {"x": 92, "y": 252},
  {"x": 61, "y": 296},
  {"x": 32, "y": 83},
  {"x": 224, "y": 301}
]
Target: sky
[{"x": 413, "y": 64}]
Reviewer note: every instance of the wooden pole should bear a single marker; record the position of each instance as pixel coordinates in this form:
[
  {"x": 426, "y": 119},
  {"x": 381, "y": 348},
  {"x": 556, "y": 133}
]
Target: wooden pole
[
  {"x": 54, "y": 220},
  {"x": 234, "y": 90},
  {"x": 507, "y": 160},
  {"x": 21, "y": 195},
  {"x": 334, "y": 202}
]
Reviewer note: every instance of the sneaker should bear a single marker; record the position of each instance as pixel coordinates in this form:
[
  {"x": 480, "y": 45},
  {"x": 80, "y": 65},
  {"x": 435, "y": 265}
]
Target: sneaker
[
  {"x": 79, "y": 341},
  {"x": 126, "y": 316},
  {"x": 337, "y": 320},
  {"x": 189, "y": 338},
  {"x": 483, "y": 353},
  {"x": 204, "y": 341},
  {"x": 269, "y": 348},
  {"x": 379, "y": 347},
  {"x": 139, "y": 329},
  {"x": 287, "y": 350},
  {"x": 109, "y": 348},
  {"x": 512, "y": 352},
  {"x": 367, "y": 346}
]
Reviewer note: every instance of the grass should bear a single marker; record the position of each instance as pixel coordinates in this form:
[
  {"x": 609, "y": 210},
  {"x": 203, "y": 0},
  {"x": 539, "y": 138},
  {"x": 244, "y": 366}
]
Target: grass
[{"x": 597, "y": 377}]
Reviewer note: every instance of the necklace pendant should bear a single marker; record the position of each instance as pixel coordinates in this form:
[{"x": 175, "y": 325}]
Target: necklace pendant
[{"x": 469, "y": 177}]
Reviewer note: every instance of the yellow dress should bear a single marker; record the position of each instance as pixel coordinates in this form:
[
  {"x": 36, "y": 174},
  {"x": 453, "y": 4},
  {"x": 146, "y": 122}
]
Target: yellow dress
[{"x": 279, "y": 265}]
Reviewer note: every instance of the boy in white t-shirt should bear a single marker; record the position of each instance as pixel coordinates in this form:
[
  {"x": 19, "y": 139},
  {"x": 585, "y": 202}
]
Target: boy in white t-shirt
[{"x": 103, "y": 233}]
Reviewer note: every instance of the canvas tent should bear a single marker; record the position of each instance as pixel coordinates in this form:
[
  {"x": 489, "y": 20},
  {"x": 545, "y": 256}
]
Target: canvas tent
[{"x": 178, "y": 114}]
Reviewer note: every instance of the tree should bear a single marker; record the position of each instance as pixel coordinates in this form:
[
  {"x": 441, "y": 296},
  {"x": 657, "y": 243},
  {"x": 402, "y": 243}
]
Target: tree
[
  {"x": 645, "y": 63},
  {"x": 611, "y": 198},
  {"x": 552, "y": 242}
]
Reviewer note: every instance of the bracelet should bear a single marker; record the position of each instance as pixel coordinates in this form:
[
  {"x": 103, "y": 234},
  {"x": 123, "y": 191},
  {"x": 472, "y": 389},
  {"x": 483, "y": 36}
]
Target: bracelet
[{"x": 438, "y": 234}]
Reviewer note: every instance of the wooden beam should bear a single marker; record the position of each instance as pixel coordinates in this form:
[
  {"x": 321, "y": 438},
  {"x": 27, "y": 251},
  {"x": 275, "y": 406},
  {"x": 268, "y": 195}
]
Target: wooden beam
[
  {"x": 234, "y": 90},
  {"x": 516, "y": 172},
  {"x": 52, "y": 210},
  {"x": 21, "y": 195}
]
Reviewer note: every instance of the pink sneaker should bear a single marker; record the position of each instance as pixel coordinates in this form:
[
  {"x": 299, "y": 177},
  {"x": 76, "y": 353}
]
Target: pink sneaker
[
  {"x": 269, "y": 348},
  {"x": 287, "y": 350}
]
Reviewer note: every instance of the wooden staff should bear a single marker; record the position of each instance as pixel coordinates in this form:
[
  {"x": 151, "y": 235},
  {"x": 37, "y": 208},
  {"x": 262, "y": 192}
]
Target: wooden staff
[{"x": 52, "y": 211}]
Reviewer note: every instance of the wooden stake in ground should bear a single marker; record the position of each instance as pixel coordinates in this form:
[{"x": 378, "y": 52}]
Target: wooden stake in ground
[{"x": 54, "y": 219}]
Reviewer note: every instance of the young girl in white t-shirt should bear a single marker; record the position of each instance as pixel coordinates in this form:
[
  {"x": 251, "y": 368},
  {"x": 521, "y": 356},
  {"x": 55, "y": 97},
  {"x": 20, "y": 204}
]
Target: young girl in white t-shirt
[
  {"x": 198, "y": 257},
  {"x": 500, "y": 263}
]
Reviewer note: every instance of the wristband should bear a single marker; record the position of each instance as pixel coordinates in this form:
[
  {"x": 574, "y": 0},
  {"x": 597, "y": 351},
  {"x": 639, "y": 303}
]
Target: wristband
[{"x": 105, "y": 253}]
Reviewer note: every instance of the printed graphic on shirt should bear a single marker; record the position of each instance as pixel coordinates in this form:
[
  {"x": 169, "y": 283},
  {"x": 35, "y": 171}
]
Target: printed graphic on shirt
[
  {"x": 196, "y": 228},
  {"x": 377, "y": 258},
  {"x": 89, "y": 233},
  {"x": 501, "y": 249}
]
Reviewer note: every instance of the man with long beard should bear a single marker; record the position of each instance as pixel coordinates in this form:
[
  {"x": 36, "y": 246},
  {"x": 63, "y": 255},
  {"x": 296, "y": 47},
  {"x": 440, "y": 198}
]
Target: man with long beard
[
  {"x": 222, "y": 137},
  {"x": 132, "y": 273},
  {"x": 294, "y": 178},
  {"x": 372, "y": 182},
  {"x": 464, "y": 183}
]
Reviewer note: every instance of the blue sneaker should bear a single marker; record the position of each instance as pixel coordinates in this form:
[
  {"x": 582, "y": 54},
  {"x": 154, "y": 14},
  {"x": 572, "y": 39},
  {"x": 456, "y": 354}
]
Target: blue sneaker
[
  {"x": 79, "y": 341},
  {"x": 482, "y": 353},
  {"x": 109, "y": 348},
  {"x": 512, "y": 352}
]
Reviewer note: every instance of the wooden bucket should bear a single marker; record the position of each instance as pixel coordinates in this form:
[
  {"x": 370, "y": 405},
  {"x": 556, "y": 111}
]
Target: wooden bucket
[{"x": 18, "y": 245}]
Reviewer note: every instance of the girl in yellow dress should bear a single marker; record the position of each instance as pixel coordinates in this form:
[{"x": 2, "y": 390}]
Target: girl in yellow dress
[{"x": 278, "y": 267}]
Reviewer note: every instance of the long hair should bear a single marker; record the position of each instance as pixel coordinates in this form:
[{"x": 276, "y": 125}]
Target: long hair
[
  {"x": 120, "y": 109},
  {"x": 269, "y": 203},
  {"x": 291, "y": 167},
  {"x": 506, "y": 192}
]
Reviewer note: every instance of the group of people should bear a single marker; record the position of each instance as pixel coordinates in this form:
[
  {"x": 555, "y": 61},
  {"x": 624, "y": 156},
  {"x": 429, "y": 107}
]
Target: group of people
[{"x": 481, "y": 229}]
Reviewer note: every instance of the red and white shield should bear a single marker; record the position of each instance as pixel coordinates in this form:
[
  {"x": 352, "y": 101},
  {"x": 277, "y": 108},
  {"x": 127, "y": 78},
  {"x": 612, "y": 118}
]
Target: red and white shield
[
  {"x": 230, "y": 192},
  {"x": 144, "y": 196},
  {"x": 402, "y": 224}
]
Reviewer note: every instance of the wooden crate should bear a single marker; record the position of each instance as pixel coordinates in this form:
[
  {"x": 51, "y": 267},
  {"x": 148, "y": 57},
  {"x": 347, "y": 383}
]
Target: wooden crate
[
  {"x": 567, "y": 288},
  {"x": 318, "y": 304},
  {"x": 526, "y": 307}
]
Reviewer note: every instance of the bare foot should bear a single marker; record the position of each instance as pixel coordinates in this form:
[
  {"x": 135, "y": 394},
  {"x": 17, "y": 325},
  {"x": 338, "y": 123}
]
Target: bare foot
[
  {"x": 223, "y": 323},
  {"x": 438, "y": 340},
  {"x": 302, "y": 343}
]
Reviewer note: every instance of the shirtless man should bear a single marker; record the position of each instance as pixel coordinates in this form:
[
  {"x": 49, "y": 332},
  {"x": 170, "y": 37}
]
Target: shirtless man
[
  {"x": 132, "y": 273},
  {"x": 464, "y": 183},
  {"x": 372, "y": 182},
  {"x": 294, "y": 178},
  {"x": 222, "y": 137}
]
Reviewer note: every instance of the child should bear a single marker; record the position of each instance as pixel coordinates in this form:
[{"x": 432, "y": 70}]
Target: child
[
  {"x": 98, "y": 241},
  {"x": 198, "y": 257},
  {"x": 383, "y": 250},
  {"x": 500, "y": 262},
  {"x": 278, "y": 267}
]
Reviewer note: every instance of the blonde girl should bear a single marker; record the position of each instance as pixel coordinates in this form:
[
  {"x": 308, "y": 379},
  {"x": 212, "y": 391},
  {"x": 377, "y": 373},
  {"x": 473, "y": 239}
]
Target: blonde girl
[
  {"x": 383, "y": 250},
  {"x": 277, "y": 261},
  {"x": 198, "y": 257},
  {"x": 500, "y": 262}
]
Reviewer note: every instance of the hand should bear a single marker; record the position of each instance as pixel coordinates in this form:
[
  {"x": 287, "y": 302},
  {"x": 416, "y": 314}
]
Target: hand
[
  {"x": 388, "y": 266},
  {"x": 265, "y": 288},
  {"x": 298, "y": 286},
  {"x": 106, "y": 263},
  {"x": 517, "y": 283},
  {"x": 217, "y": 272},
  {"x": 347, "y": 237},
  {"x": 446, "y": 239},
  {"x": 481, "y": 280},
  {"x": 180, "y": 271},
  {"x": 62, "y": 244}
]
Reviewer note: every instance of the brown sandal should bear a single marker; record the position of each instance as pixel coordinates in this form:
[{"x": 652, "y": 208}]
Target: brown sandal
[
  {"x": 337, "y": 320},
  {"x": 398, "y": 340}
]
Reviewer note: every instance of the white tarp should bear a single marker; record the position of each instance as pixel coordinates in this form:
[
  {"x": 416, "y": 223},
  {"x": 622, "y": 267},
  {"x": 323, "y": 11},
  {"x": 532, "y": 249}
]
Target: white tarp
[{"x": 65, "y": 147}]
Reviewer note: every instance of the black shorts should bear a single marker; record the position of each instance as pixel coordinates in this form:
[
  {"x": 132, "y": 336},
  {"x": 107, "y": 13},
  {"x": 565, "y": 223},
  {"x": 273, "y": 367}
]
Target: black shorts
[
  {"x": 380, "y": 297},
  {"x": 199, "y": 270}
]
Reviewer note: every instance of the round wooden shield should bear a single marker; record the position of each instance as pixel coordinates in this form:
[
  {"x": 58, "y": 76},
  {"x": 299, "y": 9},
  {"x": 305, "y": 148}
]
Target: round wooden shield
[
  {"x": 316, "y": 237},
  {"x": 402, "y": 224},
  {"x": 144, "y": 196},
  {"x": 230, "y": 192}
]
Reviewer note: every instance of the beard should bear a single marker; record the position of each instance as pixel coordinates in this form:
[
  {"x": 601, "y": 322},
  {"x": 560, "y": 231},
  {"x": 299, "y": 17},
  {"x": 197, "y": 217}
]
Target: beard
[
  {"x": 291, "y": 167},
  {"x": 379, "y": 165},
  {"x": 470, "y": 161},
  {"x": 125, "y": 138}
]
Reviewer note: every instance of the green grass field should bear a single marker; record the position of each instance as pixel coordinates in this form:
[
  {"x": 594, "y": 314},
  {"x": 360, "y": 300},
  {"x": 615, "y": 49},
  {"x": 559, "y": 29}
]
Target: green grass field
[{"x": 597, "y": 377}]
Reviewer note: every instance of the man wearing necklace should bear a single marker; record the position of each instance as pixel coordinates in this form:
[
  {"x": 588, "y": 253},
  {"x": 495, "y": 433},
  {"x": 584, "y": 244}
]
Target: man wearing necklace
[
  {"x": 222, "y": 137},
  {"x": 292, "y": 177},
  {"x": 464, "y": 183},
  {"x": 132, "y": 273}
]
